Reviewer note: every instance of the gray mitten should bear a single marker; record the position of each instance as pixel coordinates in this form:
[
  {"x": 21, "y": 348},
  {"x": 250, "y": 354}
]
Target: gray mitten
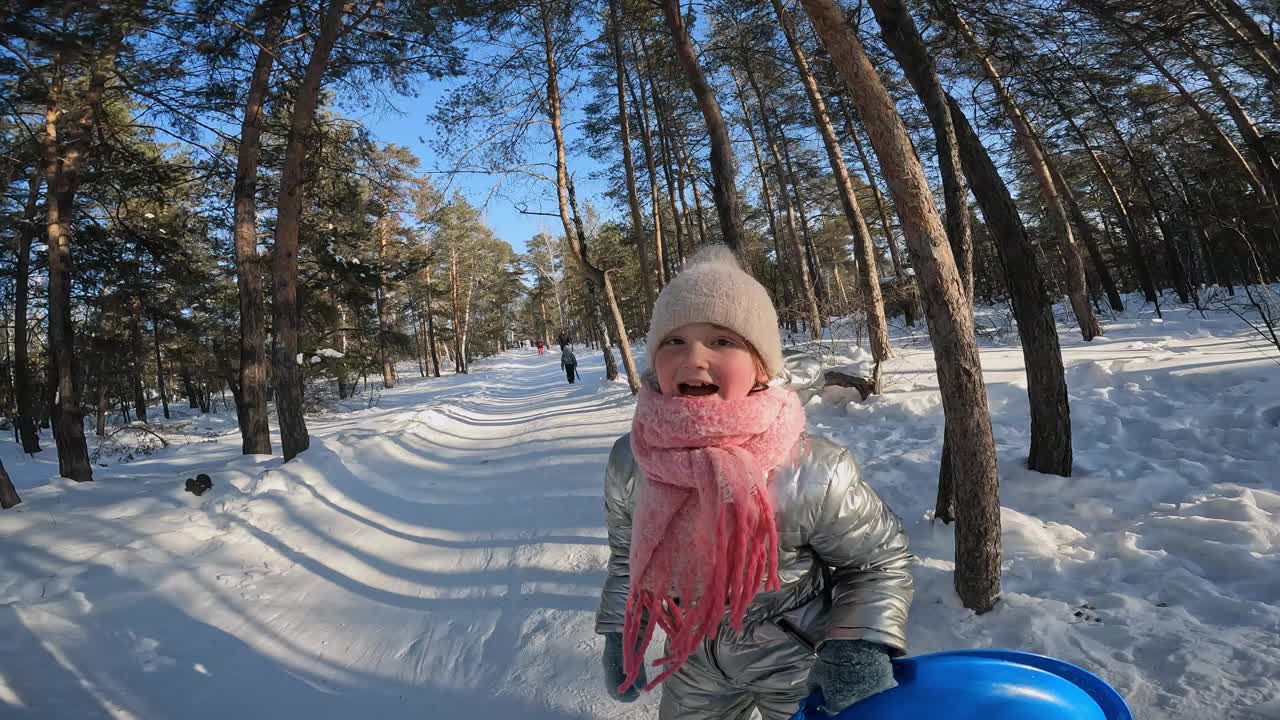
[
  {"x": 848, "y": 671},
  {"x": 613, "y": 674}
]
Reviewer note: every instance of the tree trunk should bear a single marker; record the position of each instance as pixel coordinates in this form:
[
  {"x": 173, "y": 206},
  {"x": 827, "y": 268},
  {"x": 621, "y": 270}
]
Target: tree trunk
[
  {"x": 455, "y": 297},
  {"x": 593, "y": 299},
  {"x": 1136, "y": 256},
  {"x": 1090, "y": 241},
  {"x": 164, "y": 397},
  {"x": 1032, "y": 306},
  {"x": 1268, "y": 168},
  {"x": 8, "y": 493},
  {"x": 689, "y": 170},
  {"x": 1228, "y": 146},
  {"x": 882, "y": 211},
  {"x": 189, "y": 387},
  {"x": 293, "y": 426},
  {"x": 665, "y": 143},
  {"x": 868, "y": 269},
  {"x": 812, "y": 262},
  {"x": 899, "y": 32},
  {"x": 63, "y": 163},
  {"x": 384, "y": 318},
  {"x": 255, "y": 431},
  {"x": 905, "y": 288},
  {"x": 1264, "y": 41},
  {"x": 624, "y": 137},
  {"x": 1176, "y": 269},
  {"x": 419, "y": 341},
  {"x": 431, "y": 329},
  {"x": 723, "y": 185},
  {"x": 781, "y": 289},
  {"x": 1255, "y": 48},
  {"x": 1055, "y": 213},
  {"x": 138, "y": 362},
  {"x": 951, "y": 326},
  {"x": 789, "y": 213},
  {"x": 651, "y": 164},
  {"x": 595, "y": 276},
  {"x": 25, "y": 417}
]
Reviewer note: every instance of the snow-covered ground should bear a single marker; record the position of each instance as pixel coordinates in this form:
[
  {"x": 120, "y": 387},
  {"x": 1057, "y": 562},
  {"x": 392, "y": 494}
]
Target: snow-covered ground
[{"x": 440, "y": 555}]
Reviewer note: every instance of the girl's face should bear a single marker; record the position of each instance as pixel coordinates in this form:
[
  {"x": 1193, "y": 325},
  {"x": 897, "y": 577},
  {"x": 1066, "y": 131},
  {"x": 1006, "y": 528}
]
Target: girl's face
[{"x": 702, "y": 360}]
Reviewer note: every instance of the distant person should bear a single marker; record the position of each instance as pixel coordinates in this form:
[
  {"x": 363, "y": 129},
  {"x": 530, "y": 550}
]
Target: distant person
[
  {"x": 540, "y": 347},
  {"x": 749, "y": 542},
  {"x": 569, "y": 363}
]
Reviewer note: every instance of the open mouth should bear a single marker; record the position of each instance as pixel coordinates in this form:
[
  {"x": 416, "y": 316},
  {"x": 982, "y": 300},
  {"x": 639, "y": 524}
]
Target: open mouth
[{"x": 698, "y": 389}]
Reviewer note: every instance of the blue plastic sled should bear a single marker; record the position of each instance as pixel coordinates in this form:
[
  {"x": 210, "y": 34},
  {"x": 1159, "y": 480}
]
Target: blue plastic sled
[{"x": 985, "y": 685}]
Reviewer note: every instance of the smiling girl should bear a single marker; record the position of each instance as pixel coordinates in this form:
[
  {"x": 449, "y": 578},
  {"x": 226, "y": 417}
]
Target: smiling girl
[{"x": 770, "y": 565}]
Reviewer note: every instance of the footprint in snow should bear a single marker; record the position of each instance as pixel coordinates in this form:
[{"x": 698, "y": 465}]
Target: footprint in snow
[
  {"x": 1271, "y": 416},
  {"x": 1086, "y": 613}
]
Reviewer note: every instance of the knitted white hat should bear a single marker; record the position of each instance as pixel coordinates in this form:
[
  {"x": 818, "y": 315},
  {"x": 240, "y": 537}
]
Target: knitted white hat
[{"x": 713, "y": 288}]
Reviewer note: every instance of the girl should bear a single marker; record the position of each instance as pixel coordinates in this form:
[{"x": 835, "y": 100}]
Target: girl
[{"x": 752, "y": 545}]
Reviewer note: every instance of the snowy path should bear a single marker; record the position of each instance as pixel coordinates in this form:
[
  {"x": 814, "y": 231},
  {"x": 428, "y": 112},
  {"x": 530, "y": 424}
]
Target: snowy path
[{"x": 440, "y": 554}]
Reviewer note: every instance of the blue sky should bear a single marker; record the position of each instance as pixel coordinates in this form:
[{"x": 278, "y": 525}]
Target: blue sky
[{"x": 411, "y": 128}]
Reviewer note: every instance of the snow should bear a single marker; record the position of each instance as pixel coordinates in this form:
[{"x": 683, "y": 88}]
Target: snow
[
  {"x": 442, "y": 551},
  {"x": 329, "y": 353}
]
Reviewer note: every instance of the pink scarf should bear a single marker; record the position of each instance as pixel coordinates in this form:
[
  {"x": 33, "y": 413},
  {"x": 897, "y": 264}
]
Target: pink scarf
[{"x": 703, "y": 528}]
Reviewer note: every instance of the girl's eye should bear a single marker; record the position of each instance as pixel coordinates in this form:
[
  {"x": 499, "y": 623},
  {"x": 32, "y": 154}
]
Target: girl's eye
[
  {"x": 673, "y": 341},
  {"x": 724, "y": 342}
]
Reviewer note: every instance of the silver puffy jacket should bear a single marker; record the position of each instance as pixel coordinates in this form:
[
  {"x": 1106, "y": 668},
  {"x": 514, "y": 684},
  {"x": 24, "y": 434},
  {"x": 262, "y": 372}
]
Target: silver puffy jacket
[{"x": 845, "y": 571}]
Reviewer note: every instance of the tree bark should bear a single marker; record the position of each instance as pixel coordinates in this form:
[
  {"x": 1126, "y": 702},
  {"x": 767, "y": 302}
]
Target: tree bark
[
  {"x": 881, "y": 206},
  {"x": 384, "y": 319},
  {"x": 1118, "y": 204},
  {"x": 25, "y": 417},
  {"x": 868, "y": 268},
  {"x": 905, "y": 289},
  {"x": 1090, "y": 240},
  {"x": 899, "y": 32},
  {"x": 8, "y": 493},
  {"x": 723, "y": 186},
  {"x": 160, "y": 383},
  {"x": 1224, "y": 141},
  {"x": 431, "y": 328},
  {"x": 651, "y": 164},
  {"x": 665, "y": 143},
  {"x": 1264, "y": 41},
  {"x": 809, "y": 296},
  {"x": 1056, "y": 214},
  {"x": 624, "y": 137},
  {"x": 595, "y": 276},
  {"x": 459, "y": 329},
  {"x": 812, "y": 261},
  {"x": 1255, "y": 47},
  {"x": 951, "y": 326},
  {"x": 63, "y": 163},
  {"x": 138, "y": 362},
  {"x": 293, "y": 426},
  {"x": 1032, "y": 306},
  {"x": 781, "y": 289},
  {"x": 255, "y": 430},
  {"x": 593, "y": 298},
  {"x": 1269, "y": 170},
  {"x": 697, "y": 196}
]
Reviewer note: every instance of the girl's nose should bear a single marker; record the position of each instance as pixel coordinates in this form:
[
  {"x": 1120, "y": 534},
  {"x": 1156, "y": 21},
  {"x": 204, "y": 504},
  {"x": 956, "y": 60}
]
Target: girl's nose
[{"x": 698, "y": 357}]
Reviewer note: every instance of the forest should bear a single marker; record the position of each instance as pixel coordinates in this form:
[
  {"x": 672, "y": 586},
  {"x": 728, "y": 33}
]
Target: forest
[{"x": 195, "y": 213}]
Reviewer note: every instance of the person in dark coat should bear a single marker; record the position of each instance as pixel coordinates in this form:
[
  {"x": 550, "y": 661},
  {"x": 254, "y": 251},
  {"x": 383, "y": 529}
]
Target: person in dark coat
[{"x": 569, "y": 363}]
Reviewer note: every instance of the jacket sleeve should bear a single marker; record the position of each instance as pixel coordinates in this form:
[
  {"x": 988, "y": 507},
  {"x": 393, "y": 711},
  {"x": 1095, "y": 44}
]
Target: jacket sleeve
[
  {"x": 619, "y": 480},
  {"x": 863, "y": 542}
]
